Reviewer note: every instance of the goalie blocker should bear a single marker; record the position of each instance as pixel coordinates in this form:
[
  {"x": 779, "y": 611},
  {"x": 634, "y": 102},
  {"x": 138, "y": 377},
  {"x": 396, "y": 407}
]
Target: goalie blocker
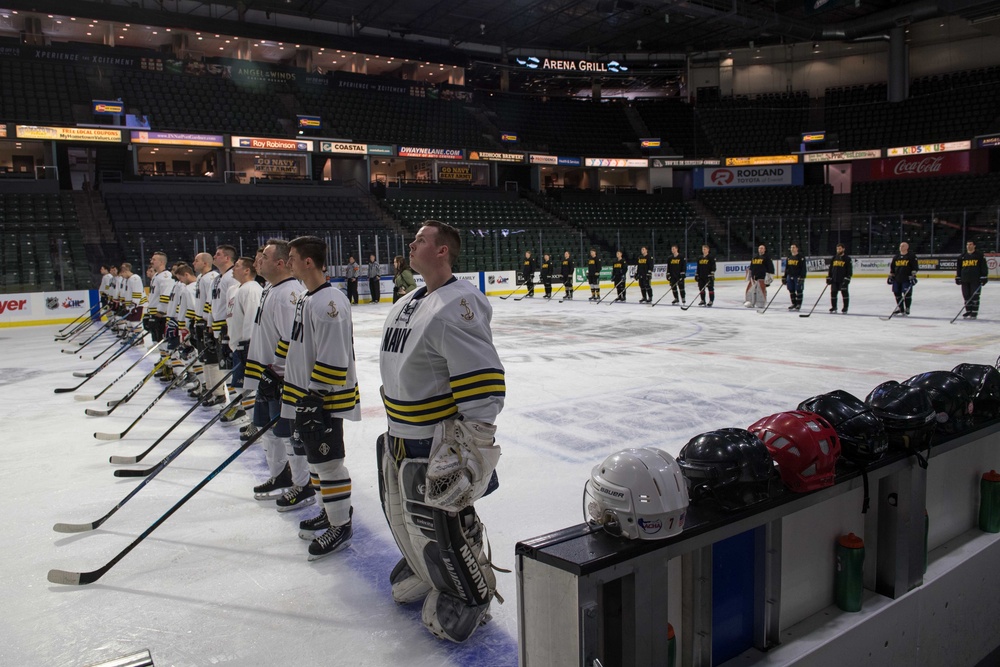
[{"x": 427, "y": 488}]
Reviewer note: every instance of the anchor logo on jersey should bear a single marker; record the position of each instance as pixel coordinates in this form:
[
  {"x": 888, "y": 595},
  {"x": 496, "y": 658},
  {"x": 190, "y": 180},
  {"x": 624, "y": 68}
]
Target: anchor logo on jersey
[
  {"x": 468, "y": 315},
  {"x": 333, "y": 312}
]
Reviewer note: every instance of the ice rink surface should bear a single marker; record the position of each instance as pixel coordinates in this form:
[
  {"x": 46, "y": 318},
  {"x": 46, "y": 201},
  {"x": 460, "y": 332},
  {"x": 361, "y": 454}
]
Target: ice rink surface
[{"x": 225, "y": 580}]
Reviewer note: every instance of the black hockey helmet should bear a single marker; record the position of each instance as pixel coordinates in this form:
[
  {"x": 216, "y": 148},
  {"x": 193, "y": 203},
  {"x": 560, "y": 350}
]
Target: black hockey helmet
[
  {"x": 730, "y": 465},
  {"x": 862, "y": 435},
  {"x": 986, "y": 380},
  {"x": 951, "y": 395},
  {"x": 907, "y": 413}
]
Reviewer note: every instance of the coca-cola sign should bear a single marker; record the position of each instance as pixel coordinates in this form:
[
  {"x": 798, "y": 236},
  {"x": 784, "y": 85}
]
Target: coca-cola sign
[{"x": 920, "y": 166}]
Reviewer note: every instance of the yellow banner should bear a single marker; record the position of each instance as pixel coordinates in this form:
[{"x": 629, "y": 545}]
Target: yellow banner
[
  {"x": 761, "y": 159},
  {"x": 68, "y": 133}
]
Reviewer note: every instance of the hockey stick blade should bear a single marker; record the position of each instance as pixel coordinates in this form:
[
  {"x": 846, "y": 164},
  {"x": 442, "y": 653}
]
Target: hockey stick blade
[
  {"x": 78, "y": 578},
  {"x": 75, "y": 527},
  {"x": 64, "y": 390},
  {"x": 81, "y": 374},
  {"x": 123, "y": 460},
  {"x": 108, "y": 436},
  {"x": 81, "y": 397},
  {"x": 96, "y": 413}
]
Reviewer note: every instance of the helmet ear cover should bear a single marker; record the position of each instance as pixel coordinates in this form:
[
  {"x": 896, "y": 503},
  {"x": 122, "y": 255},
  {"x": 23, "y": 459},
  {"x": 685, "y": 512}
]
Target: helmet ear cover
[
  {"x": 804, "y": 446},
  {"x": 637, "y": 494}
]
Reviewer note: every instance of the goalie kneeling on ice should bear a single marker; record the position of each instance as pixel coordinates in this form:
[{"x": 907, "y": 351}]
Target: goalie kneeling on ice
[{"x": 637, "y": 494}]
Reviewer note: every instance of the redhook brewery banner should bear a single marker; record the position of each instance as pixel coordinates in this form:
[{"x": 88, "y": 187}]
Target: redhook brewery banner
[{"x": 920, "y": 166}]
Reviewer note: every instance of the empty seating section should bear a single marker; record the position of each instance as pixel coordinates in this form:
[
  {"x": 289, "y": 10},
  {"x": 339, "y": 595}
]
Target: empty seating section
[
  {"x": 466, "y": 212},
  {"x": 36, "y": 92},
  {"x": 205, "y": 103},
  {"x": 42, "y": 247},
  {"x": 567, "y": 126},
  {"x": 884, "y": 208},
  {"x": 675, "y": 122},
  {"x": 739, "y": 126},
  {"x": 178, "y": 224},
  {"x": 393, "y": 118}
]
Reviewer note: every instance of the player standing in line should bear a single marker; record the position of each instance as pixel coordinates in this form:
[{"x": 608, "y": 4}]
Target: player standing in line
[
  {"x": 131, "y": 295},
  {"x": 353, "y": 272},
  {"x": 374, "y": 278},
  {"x": 528, "y": 268},
  {"x": 594, "y": 267},
  {"x": 760, "y": 273},
  {"x": 644, "y": 274},
  {"x": 175, "y": 316},
  {"x": 239, "y": 319},
  {"x": 903, "y": 278},
  {"x": 443, "y": 387},
  {"x": 839, "y": 278},
  {"x": 205, "y": 275},
  {"x": 972, "y": 274},
  {"x": 705, "y": 275},
  {"x": 619, "y": 274},
  {"x": 545, "y": 275},
  {"x": 794, "y": 277},
  {"x": 320, "y": 392},
  {"x": 108, "y": 274},
  {"x": 264, "y": 373},
  {"x": 160, "y": 284},
  {"x": 217, "y": 353},
  {"x": 676, "y": 273},
  {"x": 566, "y": 269}
]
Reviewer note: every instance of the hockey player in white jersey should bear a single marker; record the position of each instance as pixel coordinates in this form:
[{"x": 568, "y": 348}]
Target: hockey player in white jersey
[
  {"x": 244, "y": 299},
  {"x": 217, "y": 354},
  {"x": 130, "y": 294},
  {"x": 265, "y": 371},
  {"x": 443, "y": 387},
  {"x": 320, "y": 392},
  {"x": 155, "y": 320},
  {"x": 205, "y": 275}
]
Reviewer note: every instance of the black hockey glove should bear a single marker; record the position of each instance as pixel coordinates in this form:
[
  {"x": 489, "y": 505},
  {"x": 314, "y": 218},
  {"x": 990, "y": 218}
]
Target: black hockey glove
[
  {"x": 983, "y": 280},
  {"x": 829, "y": 280},
  {"x": 200, "y": 329},
  {"x": 243, "y": 347},
  {"x": 147, "y": 323},
  {"x": 958, "y": 280},
  {"x": 888, "y": 281},
  {"x": 225, "y": 355},
  {"x": 784, "y": 280},
  {"x": 310, "y": 420},
  {"x": 269, "y": 387},
  {"x": 847, "y": 281},
  {"x": 913, "y": 280},
  {"x": 211, "y": 351}
]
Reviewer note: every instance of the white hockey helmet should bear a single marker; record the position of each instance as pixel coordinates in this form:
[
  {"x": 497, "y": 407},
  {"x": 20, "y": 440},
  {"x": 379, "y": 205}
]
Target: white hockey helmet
[{"x": 637, "y": 493}]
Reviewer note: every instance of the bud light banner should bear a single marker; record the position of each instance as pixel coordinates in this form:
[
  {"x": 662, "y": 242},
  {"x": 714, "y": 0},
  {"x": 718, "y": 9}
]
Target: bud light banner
[
  {"x": 747, "y": 177},
  {"x": 917, "y": 166}
]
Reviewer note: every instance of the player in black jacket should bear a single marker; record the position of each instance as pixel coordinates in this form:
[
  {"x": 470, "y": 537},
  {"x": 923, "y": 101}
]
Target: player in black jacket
[
  {"x": 594, "y": 275},
  {"x": 545, "y": 275},
  {"x": 567, "y": 274},
  {"x": 619, "y": 274},
  {"x": 972, "y": 274},
  {"x": 528, "y": 268},
  {"x": 902, "y": 277},
  {"x": 839, "y": 277},
  {"x": 676, "y": 272},
  {"x": 761, "y": 273},
  {"x": 644, "y": 274},
  {"x": 795, "y": 276},
  {"x": 705, "y": 275}
]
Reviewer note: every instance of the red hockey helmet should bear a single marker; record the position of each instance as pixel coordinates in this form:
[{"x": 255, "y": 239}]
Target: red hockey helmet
[{"x": 804, "y": 446}]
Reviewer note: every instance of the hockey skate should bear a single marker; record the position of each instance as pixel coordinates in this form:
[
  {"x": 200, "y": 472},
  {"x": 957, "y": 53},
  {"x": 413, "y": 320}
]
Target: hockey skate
[
  {"x": 275, "y": 487},
  {"x": 296, "y": 497},
  {"x": 407, "y": 586},
  {"x": 449, "y": 618},
  {"x": 333, "y": 540},
  {"x": 309, "y": 529}
]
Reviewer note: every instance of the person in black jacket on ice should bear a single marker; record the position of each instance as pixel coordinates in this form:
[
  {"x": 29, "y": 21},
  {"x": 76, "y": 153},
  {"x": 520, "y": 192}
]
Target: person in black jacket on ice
[{"x": 972, "y": 275}]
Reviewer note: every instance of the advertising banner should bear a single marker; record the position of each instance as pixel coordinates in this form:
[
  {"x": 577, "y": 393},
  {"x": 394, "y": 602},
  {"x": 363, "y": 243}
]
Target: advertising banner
[
  {"x": 923, "y": 149},
  {"x": 308, "y": 122},
  {"x": 3, "y": 130},
  {"x": 108, "y": 107},
  {"x": 493, "y": 156},
  {"x": 680, "y": 162},
  {"x": 616, "y": 162},
  {"x": 508, "y": 137},
  {"x": 761, "y": 159},
  {"x": 263, "y": 144},
  {"x": 499, "y": 282},
  {"x": 276, "y": 165},
  {"x": 44, "y": 307},
  {"x": 375, "y": 149},
  {"x": 920, "y": 166},
  {"x": 843, "y": 156},
  {"x": 991, "y": 141},
  {"x": 68, "y": 134},
  {"x": 742, "y": 177},
  {"x": 342, "y": 147},
  {"x": 178, "y": 139},
  {"x": 432, "y": 153},
  {"x": 456, "y": 173}
]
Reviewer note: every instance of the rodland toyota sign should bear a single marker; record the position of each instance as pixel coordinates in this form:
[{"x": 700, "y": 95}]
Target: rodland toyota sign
[
  {"x": 920, "y": 166},
  {"x": 743, "y": 177}
]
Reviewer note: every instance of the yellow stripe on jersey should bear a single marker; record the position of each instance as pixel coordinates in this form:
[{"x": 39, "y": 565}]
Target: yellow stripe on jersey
[
  {"x": 190, "y": 314},
  {"x": 282, "y": 350},
  {"x": 207, "y": 308},
  {"x": 253, "y": 369},
  {"x": 329, "y": 374},
  {"x": 139, "y": 295},
  {"x": 478, "y": 385},
  {"x": 419, "y": 413},
  {"x": 164, "y": 298},
  {"x": 217, "y": 326},
  {"x": 342, "y": 401}
]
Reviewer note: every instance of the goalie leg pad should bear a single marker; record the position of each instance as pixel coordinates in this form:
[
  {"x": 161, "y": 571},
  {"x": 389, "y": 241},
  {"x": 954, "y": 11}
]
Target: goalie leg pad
[
  {"x": 413, "y": 585},
  {"x": 461, "y": 465}
]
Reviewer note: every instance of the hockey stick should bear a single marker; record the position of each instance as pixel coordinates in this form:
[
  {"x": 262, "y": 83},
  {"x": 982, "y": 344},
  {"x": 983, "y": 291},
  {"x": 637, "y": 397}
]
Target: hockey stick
[
  {"x": 626, "y": 289},
  {"x": 825, "y": 288},
  {"x": 126, "y": 346},
  {"x": 89, "y": 313},
  {"x": 136, "y": 459},
  {"x": 149, "y": 474},
  {"x": 614, "y": 288},
  {"x": 80, "y": 397},
  {"x": 899, "y": 304},
  {"x": 79, "y": 578},
  {"x": 87, "y": 374},
  {"x": 105, "y": 328},
  {"x": 569, "y": 295},
  {"x": 965, "y": 305},
  {"x": 82, "y": 326},
  {"x": 698, "y": 297},
  {"x": 104, "y": 413},
  {"x": 761, "y": 312},
  {"x": 117, "y": 340},
  {"x": 139, "y": 385}
]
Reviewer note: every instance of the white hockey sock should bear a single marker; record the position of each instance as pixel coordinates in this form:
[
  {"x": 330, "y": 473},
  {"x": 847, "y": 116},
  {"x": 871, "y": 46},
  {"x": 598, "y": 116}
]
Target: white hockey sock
[
  {"x": 212, "y": 376},
  {"x": 332, "y": 481},
  {"x": 298, "y": 464},
  {"x": 274, "y": 453}
]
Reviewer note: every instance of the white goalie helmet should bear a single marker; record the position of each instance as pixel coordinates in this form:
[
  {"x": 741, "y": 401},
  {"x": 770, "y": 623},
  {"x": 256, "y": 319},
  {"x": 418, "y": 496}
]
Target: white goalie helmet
[{"x": 639, "y": 494}]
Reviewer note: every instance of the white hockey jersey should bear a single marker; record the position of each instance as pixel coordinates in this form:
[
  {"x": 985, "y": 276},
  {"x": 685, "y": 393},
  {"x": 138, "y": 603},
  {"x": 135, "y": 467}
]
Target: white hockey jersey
[
  {"x": 272, "y": 322},
  {"x": 218, "y": 301},
  {"x": 438, "y": 360},
  {"x": 159, "y": 292},
  {"x": 320, "y": 354},
  {"x": 203, "y": 287},
  {"x": 131, "y": 290},
  {"x": 243, "y": 303}
]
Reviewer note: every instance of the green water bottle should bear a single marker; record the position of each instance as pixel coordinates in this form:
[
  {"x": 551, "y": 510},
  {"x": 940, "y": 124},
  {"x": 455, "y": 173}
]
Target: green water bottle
[
  {"x": 849, "y": 581},
  {"x": 989, "y": 502},
  {"x": 671, "y": 646}
]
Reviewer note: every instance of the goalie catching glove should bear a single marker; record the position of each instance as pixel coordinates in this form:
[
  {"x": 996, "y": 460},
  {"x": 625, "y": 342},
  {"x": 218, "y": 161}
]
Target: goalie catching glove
[{"x": 462, "y": 460}]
